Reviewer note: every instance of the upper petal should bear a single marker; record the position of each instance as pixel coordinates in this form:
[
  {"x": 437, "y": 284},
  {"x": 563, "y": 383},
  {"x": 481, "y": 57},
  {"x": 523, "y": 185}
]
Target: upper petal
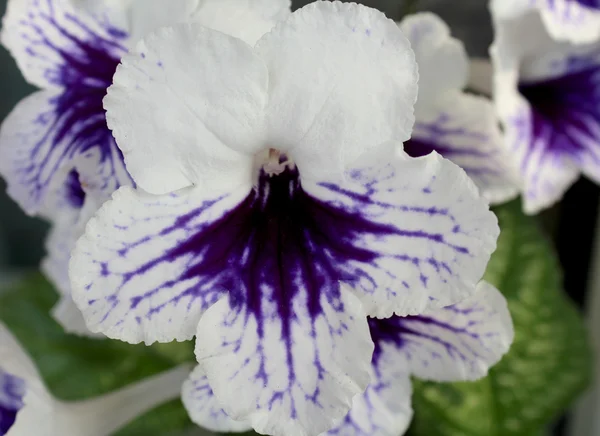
[
  {"x": 465, "y": 129},
  {"x": 421, "y": 235},
  {"x": 186, "y": 107},
  {"x": 442, "y": 60},
  {"x": 138, "y": 274},
  {"x": 459, "y": 342},
  {"x": 577, "y": 21},
  {"x": 55, "y": 40},
  {"x": 342, "y": 79},
  {"x": 288, "y": 371}
]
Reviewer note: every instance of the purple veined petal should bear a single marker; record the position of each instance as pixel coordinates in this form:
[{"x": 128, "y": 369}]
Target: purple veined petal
[
  {"x": 459, "y": 342},
  {"x": 203, "y": 407},
  {"x": 577, "y": 21},
  {"x": 286, "y": 370},
  {"x": 465, "y": 129},
  {"x": 59, "y": 45},
  {"x": 384, "y": 409},
  {"x": 12, "y": 391}
]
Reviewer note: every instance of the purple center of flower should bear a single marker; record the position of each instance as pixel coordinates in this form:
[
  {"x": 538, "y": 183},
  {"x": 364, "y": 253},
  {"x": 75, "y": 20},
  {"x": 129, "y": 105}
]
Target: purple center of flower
[
  {"x": 594, "y": 4},
  {"x": 12, "y": 391},
  {"x": 83, "y": 62},
  {"x": 278, "y": 243},
  {"x": 416, "y": 147},
  {"x": 75, "y": 193},
  {"x": 565, "y": 113}
]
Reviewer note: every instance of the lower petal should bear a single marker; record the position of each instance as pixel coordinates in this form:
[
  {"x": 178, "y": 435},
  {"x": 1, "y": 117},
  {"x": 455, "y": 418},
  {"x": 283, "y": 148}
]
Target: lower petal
[
  {"x": 459, "y": 342},
  {"x": 203, "y": 407},
  {"x": 384, "y": 409},
  {"x": 290, "y": 375}
]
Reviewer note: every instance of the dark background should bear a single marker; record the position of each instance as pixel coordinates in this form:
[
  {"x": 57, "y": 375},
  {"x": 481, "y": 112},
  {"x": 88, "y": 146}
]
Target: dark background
[{"x": 571, "y": 224}]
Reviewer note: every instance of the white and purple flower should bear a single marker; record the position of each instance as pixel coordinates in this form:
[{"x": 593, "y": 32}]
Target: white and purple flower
[
  {"x": 461, "y": 127},
  {"x": 455, "y": 343},
  {"x": 275, "y": 210},
  {"x": 547, "y": 95},
  {"x": 56, "y": 152},
  {"x": 27, "y": 408},
  {"x": 576, "y": 21}
]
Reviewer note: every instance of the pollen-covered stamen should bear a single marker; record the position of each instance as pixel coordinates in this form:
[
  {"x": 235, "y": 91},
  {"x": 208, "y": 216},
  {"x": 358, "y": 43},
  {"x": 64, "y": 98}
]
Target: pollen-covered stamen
[{"x": 276, "y": 163}]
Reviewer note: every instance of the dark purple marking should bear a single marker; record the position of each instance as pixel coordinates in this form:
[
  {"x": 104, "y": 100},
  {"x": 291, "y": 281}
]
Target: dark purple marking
[
  {"x": 12, "y": 391},
  {"x": 592, "y": 4},
  {"x": 75, "y": 194},
  {"x": 76, "y": 123},
  {"x": 565, "y": 111}
]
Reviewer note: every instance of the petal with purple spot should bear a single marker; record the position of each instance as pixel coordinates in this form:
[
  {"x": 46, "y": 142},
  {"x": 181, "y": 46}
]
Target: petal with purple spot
[
  {"x": 459, "y": 342},
  {"x": 203, "y": 407},
  {"x": 464, "y": 129},
  {"x": 288, "y": 369},
  {"x": 12, "y": 391}
]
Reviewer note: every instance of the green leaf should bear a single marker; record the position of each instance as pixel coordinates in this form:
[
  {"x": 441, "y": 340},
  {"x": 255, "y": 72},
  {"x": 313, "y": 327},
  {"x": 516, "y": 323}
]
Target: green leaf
[
  {"x": 76, "y": 368},
  {"x": 549, "y": 363}
]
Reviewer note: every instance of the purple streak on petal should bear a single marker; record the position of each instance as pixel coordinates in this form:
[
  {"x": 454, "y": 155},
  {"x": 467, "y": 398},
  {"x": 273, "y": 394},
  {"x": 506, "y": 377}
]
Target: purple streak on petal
[
  {"x": 565, "y": 111},
  {"x": 12, "y": 391},
  {"x": 75, "y": 194},
  {"x": 76, "y": 124}
]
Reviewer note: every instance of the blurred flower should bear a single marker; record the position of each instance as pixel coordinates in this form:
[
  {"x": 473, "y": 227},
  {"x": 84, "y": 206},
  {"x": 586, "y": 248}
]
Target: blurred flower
[
  {"x": 547, "y": 94},
  {"x": 27, "y": 408},
  {"x": 455, "y": 343},
  {"x": 576, "y": 21},
  {"x": 461, "y": 127},
  {"x": 275, "y": 210},
  {"x": 56, "y": 152}
]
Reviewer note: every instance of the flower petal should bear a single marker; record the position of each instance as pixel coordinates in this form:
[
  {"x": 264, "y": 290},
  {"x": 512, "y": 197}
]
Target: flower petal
[
  {"x": 423, "y": 232},
  {"x": 12, "y": 391},
  {"x": 43, "y": 138},
  {"x": 384, "y": 409},
  {"x": 547, "y": 97},
  {"x": 138, "y": 274},
  {"x": 577, "y": 21},
  {"x": 203, "y": 407},
  {"x": 464, "y": 128},
  {"x": 56, "y": 43},
  {"x": 318, "y": 112},
  {"x": 288, "y": 374},
  {"x": 182, "y": 103},
  {"x": 442, "y": 59},
  {"x": 459, "y": 342}
]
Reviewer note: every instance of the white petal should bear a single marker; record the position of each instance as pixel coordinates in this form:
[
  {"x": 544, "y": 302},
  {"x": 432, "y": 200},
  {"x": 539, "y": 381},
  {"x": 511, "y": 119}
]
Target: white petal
[
  {"x": 133, "y": 275},
  {"x": 384, "y": 409},
  {"x": 14, "y": 359},
  {"x": 342, "y": 79},
  {"x": 203, "y": 407},
  {"x": 508, "y": 9},
  {"x": 459, "y": 342},
  {"x": 286, "y": 375},
  {"x": 442, "y": 60},
  {"x": 464, "y": 128},
  {"x": 572, "y": 20},
  {"x": 418, "y": 233},
  {"x": 50, "y": 37},
  {"x": 182, "y": 103}
]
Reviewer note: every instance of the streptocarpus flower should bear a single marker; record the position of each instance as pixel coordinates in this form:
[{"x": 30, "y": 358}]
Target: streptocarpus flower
[
  {"x": 27, "y": 408},
  {"x": 455, "y": 343},
  {"x": 576, "y": 21},
  {"x": 56, "y": 151},
  {"x": 70, "y": 49},
  {"x": 548, "y": 97},
  {"x": 461, "y": 127},
  {"x": 280, "y": 210}
]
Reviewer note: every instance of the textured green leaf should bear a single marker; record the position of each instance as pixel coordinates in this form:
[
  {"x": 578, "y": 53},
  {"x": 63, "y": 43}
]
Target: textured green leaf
[
  {"x": 549, "y": 363},
  {"x": 76, "y": 368}
]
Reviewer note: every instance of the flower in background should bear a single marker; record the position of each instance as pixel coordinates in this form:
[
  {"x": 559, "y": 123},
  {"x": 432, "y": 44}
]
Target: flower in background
[
  {"x": 27, "y": 408},
  {"x": 454, "y": 343},
  {"x": 56, "y": 152},
  {"x": 547, "y": 94},
  {"x": 576, "y": 21},
  {"x": 275, "y": 209},
  {"x": 461, "y": 127}
]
